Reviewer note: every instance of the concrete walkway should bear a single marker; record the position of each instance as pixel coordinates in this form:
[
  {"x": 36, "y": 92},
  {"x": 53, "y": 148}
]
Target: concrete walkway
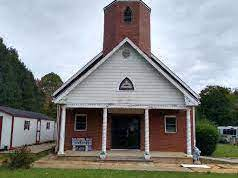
[
  {"x": 52, "y": 161},
  {"x": 36, "y": 148},
  {"x": 41, "y": 147},
  {"x": 221, "y": 160}
]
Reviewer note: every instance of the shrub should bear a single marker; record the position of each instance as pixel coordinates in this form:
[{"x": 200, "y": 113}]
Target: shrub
[
  {"x": 207, "y": 137},
  {"x": 20, "y": 158}
]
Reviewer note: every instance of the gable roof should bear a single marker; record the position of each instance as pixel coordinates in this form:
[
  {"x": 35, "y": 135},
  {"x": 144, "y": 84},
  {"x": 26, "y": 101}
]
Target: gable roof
[
  {"x": 99, "y": 59},
  {"x": 22, "y": 113}
]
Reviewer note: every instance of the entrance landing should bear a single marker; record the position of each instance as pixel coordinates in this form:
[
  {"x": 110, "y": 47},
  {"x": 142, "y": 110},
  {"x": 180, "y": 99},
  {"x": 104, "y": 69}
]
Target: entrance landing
[
  {"x": 125, "y": 153},
  {"x": 128, "y": 156}
]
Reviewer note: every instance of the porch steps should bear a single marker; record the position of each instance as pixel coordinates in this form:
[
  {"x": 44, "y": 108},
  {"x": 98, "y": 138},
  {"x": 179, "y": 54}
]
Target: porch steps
[{"x": 166, "y": 160}]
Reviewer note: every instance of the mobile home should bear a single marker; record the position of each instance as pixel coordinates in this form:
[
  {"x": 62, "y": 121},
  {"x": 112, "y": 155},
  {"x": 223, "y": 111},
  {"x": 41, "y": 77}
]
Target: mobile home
[{"x": 18, "y": 128}]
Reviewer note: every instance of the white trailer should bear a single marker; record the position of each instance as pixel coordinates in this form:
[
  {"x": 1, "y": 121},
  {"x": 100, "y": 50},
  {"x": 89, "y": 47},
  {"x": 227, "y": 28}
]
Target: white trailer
[
  {"x": 18, "y": 128},
  {"x": 228, "y": 131}
]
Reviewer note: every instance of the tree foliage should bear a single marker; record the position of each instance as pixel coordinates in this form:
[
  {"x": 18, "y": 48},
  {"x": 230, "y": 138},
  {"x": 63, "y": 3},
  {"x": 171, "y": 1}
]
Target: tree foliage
[
  {"x": 48, "y": 85},
  {"x": 17, "y": 85},
  {"x": 219, "y": 105}
]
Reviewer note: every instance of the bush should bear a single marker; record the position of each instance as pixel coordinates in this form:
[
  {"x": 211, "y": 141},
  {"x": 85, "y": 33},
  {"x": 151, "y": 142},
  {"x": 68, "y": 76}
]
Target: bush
[
  {"x": 207, "y": 137},
  {"x": 20, "y": 158}
]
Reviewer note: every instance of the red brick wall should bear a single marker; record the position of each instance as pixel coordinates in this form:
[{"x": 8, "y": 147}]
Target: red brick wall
[
  {"x": 115, "y": 29},
  {"x": 159, "y": 140},
  {"x": 94, "y": 127}
]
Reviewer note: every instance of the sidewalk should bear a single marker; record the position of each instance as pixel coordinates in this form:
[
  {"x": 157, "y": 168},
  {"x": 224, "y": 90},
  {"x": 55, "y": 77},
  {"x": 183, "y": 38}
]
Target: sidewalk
[
  {"x": 36, "y": 148},
  {"x": 221, "y": 160}
]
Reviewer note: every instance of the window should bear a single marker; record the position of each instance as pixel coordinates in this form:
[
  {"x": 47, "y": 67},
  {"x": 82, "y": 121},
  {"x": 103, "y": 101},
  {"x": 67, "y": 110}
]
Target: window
[
  {"x": 126, "y": 84},
  {"x": 80, "y": 123},
  {"x": 170, "y": 124},
  {"x": 27, "y": 125},
  {"x": 128, "y": 15},
  {"x": 48, "y": 126},
  {"x": 229, "y": 132}
]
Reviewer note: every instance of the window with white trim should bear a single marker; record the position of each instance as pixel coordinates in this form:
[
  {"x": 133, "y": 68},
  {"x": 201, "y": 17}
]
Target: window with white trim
[
  {"x": 170, "y": 124},
  {"x": 80, "y": 123},
  {"x": 27, "y": 125}
]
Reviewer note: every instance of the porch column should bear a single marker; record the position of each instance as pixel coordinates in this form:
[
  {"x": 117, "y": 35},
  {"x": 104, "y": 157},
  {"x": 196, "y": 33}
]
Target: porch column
[
  {"x": 104, "y": 134},
  {"x": 188, "y": 129},
  {"x": 147, "y": 135},
  {"x": 62, "y": 131},
  {"x": 194, "y": 126}
]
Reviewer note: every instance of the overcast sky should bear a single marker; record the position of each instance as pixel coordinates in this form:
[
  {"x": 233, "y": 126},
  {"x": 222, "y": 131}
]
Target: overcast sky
[{"x": 197, "y": 39}]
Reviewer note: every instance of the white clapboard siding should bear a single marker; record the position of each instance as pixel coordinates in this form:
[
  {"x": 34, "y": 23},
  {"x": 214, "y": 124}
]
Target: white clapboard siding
[
  {"x": 47, "y": 134},
  {"x": 102, "y": 86},
  {"x": 21, "y": 136},
  {"x": 6, "y": 130}
]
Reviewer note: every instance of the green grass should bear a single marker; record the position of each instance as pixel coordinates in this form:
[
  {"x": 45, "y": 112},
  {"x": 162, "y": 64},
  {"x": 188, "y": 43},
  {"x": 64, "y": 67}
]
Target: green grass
[
  {"x": 59, "y": 173},
  {"x": 225, "y": 151}
]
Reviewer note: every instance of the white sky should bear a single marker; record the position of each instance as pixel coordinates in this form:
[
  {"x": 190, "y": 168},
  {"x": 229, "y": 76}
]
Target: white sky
[{"x": 197, "y": 39}]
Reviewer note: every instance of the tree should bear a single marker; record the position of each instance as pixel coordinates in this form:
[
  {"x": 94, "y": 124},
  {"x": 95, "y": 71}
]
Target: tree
[
  {"x": 17, "y": 85},
  {"x": 48, "y": 85},
  {"x": 218, "y": 105}
]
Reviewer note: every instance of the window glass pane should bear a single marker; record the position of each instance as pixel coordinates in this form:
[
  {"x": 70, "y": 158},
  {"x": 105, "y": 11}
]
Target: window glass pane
[
  {"x": 171, "y": 124},
  {"x": 81, "y": 122}
]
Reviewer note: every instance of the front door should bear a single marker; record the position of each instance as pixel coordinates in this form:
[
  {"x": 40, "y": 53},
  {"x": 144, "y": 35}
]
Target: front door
[
  {"x": 125, "y": 132},
  {"x": 0, "y": 129}
]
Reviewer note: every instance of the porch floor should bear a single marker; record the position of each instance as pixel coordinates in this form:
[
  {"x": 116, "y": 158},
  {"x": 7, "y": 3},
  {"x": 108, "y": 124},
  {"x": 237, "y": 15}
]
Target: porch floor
[{"x": 125, "y": 153}]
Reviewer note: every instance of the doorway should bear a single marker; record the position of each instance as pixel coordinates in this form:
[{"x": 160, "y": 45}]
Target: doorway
[{"x": 125, "y": 132}]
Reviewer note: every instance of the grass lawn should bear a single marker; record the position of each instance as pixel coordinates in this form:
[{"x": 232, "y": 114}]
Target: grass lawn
[
  {"x": 59, "y": 173},
  {"x": 226, "y": 150}
]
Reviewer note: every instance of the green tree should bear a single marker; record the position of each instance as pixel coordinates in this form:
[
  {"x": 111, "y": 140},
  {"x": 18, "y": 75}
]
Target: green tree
[
  {"x": 17, "y": 85},
  {"x": 218, "y": 105},
  {"x": 48, "y": 85}
]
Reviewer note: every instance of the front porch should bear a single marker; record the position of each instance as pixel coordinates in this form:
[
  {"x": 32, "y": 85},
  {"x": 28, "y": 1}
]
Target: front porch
[
  {"x": 128, "y": 156},
  {"x": 148, "y": 133},
  {"x": 125, "y": 154}
]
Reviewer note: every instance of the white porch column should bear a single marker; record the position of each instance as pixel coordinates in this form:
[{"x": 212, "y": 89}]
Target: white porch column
[
  {"x": 147, "y": 135},
  {"x": 194, "y": 126},
  {"x": 188, "y": 129},
  {"x": 104, "y": 134},
  {"x": 62, "y": 131}
]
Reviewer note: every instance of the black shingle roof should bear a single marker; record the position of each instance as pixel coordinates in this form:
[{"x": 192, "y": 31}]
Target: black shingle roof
[{"x": 21, "y": 113}]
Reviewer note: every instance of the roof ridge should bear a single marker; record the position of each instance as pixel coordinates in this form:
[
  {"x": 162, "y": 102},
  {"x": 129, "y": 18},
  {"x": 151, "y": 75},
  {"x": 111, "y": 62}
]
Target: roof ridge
[{"x": 24, "y": 113}]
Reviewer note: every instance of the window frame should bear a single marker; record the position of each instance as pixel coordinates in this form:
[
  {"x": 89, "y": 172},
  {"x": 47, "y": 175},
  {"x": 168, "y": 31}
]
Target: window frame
[
  {"x": 29, "y": 125},
  {"x": 165, "y": 123},
  {"x": 81, "y": 130}
]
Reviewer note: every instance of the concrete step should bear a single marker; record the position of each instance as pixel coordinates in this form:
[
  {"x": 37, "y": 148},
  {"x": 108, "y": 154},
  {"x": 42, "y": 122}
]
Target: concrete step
[{"x": 166, "y": 160}]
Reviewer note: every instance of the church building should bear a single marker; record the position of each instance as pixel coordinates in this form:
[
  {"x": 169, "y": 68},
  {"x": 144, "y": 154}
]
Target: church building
[{"x": 126, "y": 98}]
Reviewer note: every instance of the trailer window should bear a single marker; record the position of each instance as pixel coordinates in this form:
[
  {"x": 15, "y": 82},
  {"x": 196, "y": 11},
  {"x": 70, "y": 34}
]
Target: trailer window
[
  {"x": 27, "y": 125},
  {"x": 48, "y": 126}
]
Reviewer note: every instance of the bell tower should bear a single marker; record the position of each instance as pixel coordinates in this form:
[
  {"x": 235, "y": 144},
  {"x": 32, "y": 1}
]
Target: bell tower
[{"x": 127, "y": 18}]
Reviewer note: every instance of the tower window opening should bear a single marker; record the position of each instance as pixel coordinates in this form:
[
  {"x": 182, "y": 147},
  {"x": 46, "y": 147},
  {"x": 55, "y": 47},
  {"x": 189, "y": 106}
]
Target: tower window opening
[{"x": 128, "y": 15}]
